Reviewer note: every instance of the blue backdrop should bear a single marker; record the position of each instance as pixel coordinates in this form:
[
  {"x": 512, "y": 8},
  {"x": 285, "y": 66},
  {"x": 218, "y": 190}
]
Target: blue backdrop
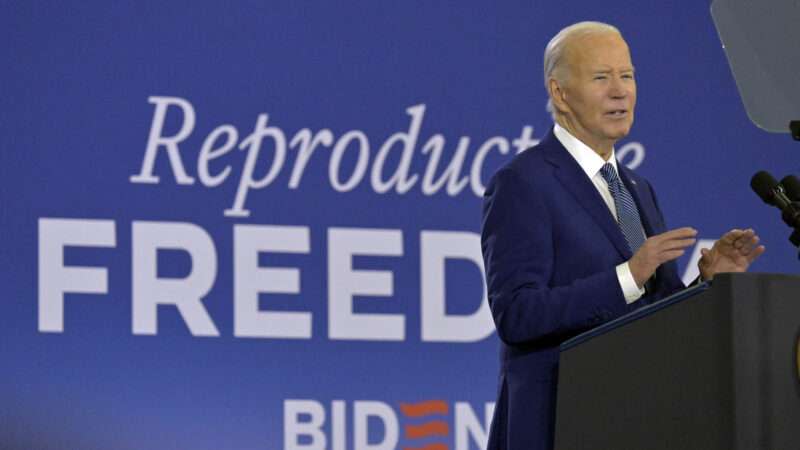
[{"x": 255, "y": 224}]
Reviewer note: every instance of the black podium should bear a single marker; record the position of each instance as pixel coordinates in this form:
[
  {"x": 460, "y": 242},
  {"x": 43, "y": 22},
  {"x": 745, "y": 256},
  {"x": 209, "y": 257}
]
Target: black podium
[{"x": 714, "y": 367}]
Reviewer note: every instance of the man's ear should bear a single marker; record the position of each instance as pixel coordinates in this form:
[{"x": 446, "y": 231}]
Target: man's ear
[{"x": 558, "y": 95}]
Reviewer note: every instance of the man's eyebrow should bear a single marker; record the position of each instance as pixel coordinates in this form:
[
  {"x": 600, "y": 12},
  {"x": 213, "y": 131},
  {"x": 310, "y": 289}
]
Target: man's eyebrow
[{"x": 609, "y": 70}]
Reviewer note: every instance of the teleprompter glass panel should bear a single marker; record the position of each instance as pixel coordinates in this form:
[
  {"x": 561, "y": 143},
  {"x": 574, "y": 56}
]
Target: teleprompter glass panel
[{"x": 762, "y": 42}]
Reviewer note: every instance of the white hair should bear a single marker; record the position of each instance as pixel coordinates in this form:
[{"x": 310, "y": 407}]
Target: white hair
[{"x": 554, "y": 52}]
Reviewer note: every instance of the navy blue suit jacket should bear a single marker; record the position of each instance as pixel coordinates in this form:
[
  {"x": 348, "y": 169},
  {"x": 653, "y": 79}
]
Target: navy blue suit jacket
[{"x": 551, "y": 247}]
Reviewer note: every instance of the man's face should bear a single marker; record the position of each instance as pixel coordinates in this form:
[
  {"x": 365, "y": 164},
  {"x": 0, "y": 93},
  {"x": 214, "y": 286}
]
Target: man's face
[{"x": 599, "y": 93}]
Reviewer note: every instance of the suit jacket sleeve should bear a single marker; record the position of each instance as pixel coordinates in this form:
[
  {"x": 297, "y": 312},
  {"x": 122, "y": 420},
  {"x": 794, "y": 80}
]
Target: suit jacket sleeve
[{"x": 518, "y": 251}]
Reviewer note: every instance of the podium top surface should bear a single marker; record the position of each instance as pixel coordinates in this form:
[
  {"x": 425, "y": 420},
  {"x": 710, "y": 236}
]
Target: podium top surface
[{"x": 635, "y": 315}]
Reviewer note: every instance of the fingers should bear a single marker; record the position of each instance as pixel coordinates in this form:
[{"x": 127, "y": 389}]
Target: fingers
[
  {"x": 678, "y": 233},
  {"x": 730, "y": 237},
  {"x": 733, "y": 252},
  {"x": 743, "y": 242},
  {"x": 677, "y": 239},
  {"x": 675, "y": 244},
  {"x": 758, "y": 251},
  {"x": 659, "y": 249},
  {"x": 669, "y": 250},
  {"x": 744, "y": 238},
  {"x": 746, "y": 246},
  {"x": 738, "y": 238},
  {"x": 672, "y": 254}
]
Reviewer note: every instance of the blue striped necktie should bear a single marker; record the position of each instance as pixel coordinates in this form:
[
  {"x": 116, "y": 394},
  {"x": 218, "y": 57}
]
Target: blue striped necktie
[{"x": 627, "y": 213}]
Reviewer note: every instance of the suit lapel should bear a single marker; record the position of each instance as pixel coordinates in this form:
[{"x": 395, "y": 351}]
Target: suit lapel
[{"x": 574, "y": 180}]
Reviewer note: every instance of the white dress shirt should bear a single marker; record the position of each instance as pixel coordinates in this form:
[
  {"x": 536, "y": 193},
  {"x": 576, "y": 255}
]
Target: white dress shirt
[{"x": 591, "y": 163}]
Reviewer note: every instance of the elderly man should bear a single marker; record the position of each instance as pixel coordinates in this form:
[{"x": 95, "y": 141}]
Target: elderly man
[{"x": 571, "y": 238}]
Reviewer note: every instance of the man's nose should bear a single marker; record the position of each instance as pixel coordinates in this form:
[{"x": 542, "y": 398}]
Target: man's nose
[{"x": 617, "y": 88}]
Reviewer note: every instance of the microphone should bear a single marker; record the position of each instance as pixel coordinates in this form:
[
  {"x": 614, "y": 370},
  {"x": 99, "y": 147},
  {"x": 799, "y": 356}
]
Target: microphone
[
  {"x": 791, "y": 185},
  {"x": 765, "y": 185},
  {"x": 773, "y": 193}
]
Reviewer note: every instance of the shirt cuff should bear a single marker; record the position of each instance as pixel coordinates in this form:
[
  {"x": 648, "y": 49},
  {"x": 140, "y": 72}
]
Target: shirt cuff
[{"x": 631, "y": 291}]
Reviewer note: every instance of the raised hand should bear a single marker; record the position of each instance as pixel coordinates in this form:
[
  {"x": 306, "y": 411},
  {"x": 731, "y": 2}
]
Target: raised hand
[
  {"x": 659, "y": 249},
  {"x": 733, "y": 252}
]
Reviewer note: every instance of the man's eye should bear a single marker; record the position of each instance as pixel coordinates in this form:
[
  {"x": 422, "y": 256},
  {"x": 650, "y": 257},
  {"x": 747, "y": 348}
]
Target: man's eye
[
  {"x": 628, "y": 76},
  {"x": 600, "y": 77}
]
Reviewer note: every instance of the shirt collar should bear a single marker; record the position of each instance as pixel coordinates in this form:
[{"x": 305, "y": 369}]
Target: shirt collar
[{"x": 587, "y": 158}]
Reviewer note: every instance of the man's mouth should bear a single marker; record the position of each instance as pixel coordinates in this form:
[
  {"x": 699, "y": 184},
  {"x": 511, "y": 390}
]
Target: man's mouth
[{"x": 617, "y": 113}]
